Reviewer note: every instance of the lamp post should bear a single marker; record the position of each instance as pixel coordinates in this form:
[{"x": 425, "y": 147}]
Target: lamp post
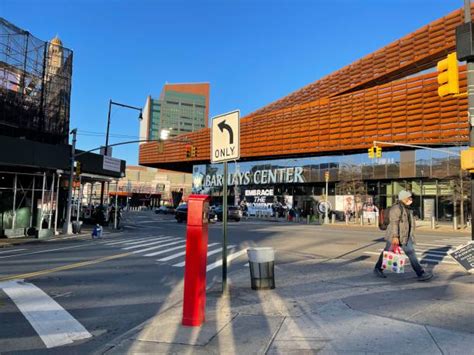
[
  {"x": 67, "y": 227},
  {"x": 106, "y": 148}
]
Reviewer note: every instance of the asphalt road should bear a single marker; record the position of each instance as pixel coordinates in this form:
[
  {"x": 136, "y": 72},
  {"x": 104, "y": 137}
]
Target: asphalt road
[{"x": 110, "y": 286}]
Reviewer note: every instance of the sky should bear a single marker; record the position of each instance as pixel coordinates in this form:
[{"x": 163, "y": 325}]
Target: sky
[{"x": 252, "y": 52}]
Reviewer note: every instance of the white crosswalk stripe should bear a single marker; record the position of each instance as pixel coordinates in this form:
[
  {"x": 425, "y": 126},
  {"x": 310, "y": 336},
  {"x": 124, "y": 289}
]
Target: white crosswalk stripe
[
  {"x": 172, "y": 247},
  {"x": 177, "y": 255},
  {"x": 148, "y": 244},
  {"x": 168, "y": 250},
  {"x": 229, "y": 259},
  {"x": 156, "y": 247},
  {"x": 133, "y": 241},
  {"x": 426, "y": 255},
  {"x": 209, "y": 253}
]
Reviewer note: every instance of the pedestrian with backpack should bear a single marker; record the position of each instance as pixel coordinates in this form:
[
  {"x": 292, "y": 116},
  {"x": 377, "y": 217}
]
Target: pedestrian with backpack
[{"x": 399, "y": 224}]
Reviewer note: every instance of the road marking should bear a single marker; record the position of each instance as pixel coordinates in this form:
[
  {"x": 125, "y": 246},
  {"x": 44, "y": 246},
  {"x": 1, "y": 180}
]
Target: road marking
[
  {"x": 157, "y": 247},
  {"x": 45, "y": 251},
  {"x": 229, "y": 259},
  {"x": 435, "y": 252},
  {"x": 209, "y": 253},
  {"x": 54, "y": 325},
  {"x": 422, "y": 257},
  {"x": 435, "y": 245},
  {"x": 136, "y": 241},
  {"x": 10, "y": 251},
  {"x": 177, "y": 255},
  {"x": 147, "y": 244},
  {"x": 166, "y": 250},
  {"x": 62, "y": 268},
  {"x": 127, "y": 241}
]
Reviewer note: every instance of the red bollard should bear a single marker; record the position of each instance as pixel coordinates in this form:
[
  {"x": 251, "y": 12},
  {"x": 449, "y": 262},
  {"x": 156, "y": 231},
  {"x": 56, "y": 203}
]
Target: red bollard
[{"x": 194, "y": 304}]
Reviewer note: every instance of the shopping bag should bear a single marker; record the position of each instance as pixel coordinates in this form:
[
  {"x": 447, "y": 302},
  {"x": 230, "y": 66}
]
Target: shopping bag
[{"x": 394, "y": 261}]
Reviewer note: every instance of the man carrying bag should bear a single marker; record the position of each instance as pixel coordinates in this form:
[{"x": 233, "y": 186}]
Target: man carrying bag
[{"x": 400, "y": 233}]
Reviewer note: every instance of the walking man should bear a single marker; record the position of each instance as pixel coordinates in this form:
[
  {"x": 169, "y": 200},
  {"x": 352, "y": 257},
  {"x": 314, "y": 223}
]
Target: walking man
[{"x": 400, "y": 232}]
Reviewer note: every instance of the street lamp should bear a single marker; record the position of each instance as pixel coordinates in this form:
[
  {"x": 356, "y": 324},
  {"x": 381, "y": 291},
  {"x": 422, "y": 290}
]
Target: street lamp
[
  {"x": 140, "y": 117},
  {"x": 165, "y": 133},
  {"x": 67, "y": 227}
]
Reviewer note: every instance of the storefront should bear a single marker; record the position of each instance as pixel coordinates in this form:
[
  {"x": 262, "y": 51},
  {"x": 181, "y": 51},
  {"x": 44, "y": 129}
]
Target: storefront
[{"x": 355, "y": 181}]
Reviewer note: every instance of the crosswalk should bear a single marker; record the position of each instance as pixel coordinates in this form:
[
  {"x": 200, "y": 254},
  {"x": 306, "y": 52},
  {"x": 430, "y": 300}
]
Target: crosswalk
[
  {"x": 172, "y": 248},
  {"x": 430, "y": 253}
]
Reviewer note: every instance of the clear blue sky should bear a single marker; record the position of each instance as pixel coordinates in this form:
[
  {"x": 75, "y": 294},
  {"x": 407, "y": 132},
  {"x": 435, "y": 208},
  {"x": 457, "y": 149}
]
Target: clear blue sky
[{"x": 252, "y": 52}]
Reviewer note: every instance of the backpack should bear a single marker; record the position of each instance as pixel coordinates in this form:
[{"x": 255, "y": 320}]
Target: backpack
[{"x": 384, "y": 217}]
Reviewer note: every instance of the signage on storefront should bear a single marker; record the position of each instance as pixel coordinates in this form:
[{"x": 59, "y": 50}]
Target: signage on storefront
[
  {"x": 225, "y": 137},
  {"x": 258, "y": 177}
]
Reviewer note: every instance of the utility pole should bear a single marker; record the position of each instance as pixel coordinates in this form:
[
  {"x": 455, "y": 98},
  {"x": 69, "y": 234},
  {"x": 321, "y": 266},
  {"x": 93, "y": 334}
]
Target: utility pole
[
  {"x": 470, "y": 107},
  {"x": 102, "y": 188},
  {"x": 67, "y": 227}
]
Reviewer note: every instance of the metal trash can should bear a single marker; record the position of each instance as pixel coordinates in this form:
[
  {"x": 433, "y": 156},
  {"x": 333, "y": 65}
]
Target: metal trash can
[
  {"x": 262, "y": 268},
  {"x": 76, "y": 227}
]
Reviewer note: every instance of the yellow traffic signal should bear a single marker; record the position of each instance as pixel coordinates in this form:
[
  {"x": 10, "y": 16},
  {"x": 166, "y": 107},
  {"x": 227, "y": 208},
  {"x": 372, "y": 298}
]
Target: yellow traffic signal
[
  {"x": 193, "y": 151},
  {"x": 371, "y": 152},
  {"x": 326, "y": 175},
  {"x": 78, "y": 168},
  {"x": 378, "y": 152},
  {"x": 448, "y": 75}
]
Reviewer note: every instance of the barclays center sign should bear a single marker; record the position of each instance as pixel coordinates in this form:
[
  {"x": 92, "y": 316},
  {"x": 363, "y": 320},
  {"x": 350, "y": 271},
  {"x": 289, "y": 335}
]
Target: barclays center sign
[{"x": 290, "y": 175}]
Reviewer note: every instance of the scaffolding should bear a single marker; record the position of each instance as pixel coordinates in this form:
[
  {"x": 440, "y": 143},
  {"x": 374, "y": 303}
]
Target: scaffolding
[
  {"x": 35, "y": 86},
  {"x": 29, "y": 203}
]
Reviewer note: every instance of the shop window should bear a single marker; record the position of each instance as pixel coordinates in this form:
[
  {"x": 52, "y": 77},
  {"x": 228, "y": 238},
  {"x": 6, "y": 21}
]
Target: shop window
[
  {"x": 367, "y": 172},
  {"x": 407, "y": 163}
]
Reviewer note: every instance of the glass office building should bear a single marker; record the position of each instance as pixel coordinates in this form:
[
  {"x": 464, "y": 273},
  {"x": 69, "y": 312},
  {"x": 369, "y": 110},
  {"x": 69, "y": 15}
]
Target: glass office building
[{"x": 181, "y": 108}]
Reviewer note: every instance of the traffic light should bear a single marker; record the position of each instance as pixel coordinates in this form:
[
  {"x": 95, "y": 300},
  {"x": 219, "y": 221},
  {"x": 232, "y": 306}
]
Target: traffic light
[
  {"x": 378, "y": 152},
  {"x": 448, "y": 75},
  {"x": 188, "y": 151},
  {"x": 371, "y": 152},
  {"x": 193, "y": 151},
  {"x": 78, "y": 168},
  {"x": 326, "y": 175},
  {"x": 160, "y": 147}
]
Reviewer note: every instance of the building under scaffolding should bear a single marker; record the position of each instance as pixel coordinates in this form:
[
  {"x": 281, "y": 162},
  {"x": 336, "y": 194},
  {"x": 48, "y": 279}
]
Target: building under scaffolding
[
  {"x": 35, "y": 90},
  {"x": 35, "y": 86}
]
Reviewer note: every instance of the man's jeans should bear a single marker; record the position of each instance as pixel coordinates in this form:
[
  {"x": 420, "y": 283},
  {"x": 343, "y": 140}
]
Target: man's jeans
[{"x": 409, "y": 251}]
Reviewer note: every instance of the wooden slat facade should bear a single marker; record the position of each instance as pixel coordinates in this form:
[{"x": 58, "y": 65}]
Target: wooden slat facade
[{"x": 379, "y": 97}]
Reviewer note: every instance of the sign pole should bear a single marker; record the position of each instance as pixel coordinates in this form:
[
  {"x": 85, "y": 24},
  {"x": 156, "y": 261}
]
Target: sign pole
[
  {"x": 224, "y": 231},
  {"x": 225, "y": 147},
  {"x": 326, "y": 217},
  {"x": 470, "y": 107}
]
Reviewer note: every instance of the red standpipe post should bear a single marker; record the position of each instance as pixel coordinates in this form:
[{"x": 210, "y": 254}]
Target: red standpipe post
[{"x": 194, "y": 305}]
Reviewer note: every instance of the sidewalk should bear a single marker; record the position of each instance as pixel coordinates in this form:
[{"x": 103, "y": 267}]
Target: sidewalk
[
  {"x": 319, "y": 306},
  {"x": 442, "y": 227},
  {"x": 85, "y": 231}
]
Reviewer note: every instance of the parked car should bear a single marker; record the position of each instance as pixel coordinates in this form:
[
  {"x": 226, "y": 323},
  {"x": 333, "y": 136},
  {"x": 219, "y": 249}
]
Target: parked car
[
  {"x": 164, "y": 210},
  {"x": 234, "y": 213},
  {"x": 181, "y": 213}
]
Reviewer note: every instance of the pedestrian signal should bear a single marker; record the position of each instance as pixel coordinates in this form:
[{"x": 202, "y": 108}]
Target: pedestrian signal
[{"x": 448, "y": 75}]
